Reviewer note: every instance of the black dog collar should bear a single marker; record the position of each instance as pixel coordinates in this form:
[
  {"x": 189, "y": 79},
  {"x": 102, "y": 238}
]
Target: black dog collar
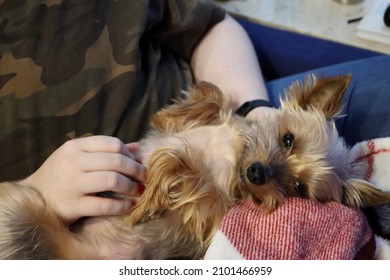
[{"x": 248, "y": 106}]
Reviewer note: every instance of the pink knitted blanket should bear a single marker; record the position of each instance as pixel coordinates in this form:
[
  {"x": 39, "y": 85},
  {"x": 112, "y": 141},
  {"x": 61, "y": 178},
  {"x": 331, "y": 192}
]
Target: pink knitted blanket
[{"x": 299, "y": 229}]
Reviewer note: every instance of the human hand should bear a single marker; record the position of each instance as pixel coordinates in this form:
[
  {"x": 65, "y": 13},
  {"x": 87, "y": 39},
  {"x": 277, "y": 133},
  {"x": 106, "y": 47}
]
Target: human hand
[{"x": 72, "y": 176}]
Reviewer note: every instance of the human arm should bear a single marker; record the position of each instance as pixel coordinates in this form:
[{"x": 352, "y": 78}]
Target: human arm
[{"x": 225, "y": 57}]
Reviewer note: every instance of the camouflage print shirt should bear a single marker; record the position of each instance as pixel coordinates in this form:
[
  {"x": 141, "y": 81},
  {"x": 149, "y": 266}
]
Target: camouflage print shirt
[{"x": 71, "y": 68}]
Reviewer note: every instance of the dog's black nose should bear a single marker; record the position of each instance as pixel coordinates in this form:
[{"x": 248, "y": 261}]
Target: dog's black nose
[{"x": 258, "y": 174}]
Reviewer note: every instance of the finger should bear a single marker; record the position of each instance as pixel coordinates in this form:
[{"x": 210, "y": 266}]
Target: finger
[
  {"x": 135, "y": 149},
  {"x": 101, "y": 206},
  {"x": 106, "y": 144},
  {"x": 116, "y": 163},
  {"x": 108, "y": 181}
]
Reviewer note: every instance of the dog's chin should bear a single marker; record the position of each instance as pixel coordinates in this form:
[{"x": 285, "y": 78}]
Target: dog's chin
[{"x": 266, "y": 196}]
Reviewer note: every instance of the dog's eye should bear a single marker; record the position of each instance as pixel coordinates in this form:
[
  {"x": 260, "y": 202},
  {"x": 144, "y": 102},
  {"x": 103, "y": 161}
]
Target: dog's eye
[
  {"x": 288, "y": 140},
  {"x": 300, "y": 189}
]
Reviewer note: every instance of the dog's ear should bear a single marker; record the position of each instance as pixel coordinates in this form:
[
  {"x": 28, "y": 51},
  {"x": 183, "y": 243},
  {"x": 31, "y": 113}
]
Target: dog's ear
[
  {"x": 360, "y": 193},
  {"x": 175, "y": 181},
  {"x": 201, "y": 106},
  {"x": 325, "y": 94}
]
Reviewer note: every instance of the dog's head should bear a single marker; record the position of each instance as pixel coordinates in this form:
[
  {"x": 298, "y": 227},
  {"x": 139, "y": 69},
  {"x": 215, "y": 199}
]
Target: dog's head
[{"x": 298, "y": 151}]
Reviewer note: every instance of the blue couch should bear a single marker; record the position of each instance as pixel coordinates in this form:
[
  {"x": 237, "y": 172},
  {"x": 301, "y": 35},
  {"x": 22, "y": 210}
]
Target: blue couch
[{"x": 283, "y": 53}]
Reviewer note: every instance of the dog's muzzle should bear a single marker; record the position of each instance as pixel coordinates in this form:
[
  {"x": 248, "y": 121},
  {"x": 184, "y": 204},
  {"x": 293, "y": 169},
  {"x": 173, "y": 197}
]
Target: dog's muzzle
[{"x": 258, "y": 174}]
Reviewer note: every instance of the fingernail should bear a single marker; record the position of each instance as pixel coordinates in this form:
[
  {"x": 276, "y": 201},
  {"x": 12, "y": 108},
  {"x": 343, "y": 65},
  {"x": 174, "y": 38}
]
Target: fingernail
[{"x": 141, "y": 189}]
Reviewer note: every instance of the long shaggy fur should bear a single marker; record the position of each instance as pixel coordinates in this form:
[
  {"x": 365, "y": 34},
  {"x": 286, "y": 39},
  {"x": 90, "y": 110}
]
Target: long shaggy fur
[
  {"x": 28, "y": 230},
  {"x": 202, "y": 159}
]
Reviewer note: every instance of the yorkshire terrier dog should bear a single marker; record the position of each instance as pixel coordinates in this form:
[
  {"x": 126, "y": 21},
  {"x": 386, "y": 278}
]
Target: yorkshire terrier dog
[{"x": 202, "y": 159}]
